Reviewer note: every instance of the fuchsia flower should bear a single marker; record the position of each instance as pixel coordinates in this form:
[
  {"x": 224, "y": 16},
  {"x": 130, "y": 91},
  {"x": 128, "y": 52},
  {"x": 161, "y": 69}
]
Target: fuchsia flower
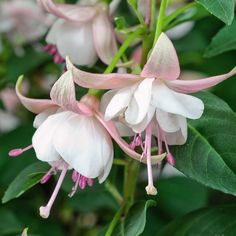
[
  {"x": 82, "y": 32},
  {"x": 154, "y": 101},
  {"x": 66, "y": 131},
  {"x": 23, "y": 21}
]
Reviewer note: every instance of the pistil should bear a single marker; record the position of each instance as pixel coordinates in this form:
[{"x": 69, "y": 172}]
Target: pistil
[
  {"x": 44, "y": 211},
  {"x": 150, "y": 189}
]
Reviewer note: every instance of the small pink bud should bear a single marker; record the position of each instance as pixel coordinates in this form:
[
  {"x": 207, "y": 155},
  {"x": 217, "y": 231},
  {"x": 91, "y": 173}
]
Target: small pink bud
[{"x": 170, "y": 159}]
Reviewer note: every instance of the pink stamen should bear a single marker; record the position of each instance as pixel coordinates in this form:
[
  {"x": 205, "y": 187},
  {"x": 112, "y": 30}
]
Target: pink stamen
[
  {"x": 159, "y": 140},
  {"x": 44, "y": 211},
  {"x": 137, "y": 141},
  {"x": 75, "y": 187},
  {"x": 52, "y": 49},
  {"x": 89, "y": 182},
  {"x": 82, "y": 182},
  {"x": 75, "y": 175},
  {"x": 47, "y": 47},
  {"x": 170, "y": 159},
  {"x": 150, "y": 189},
  {"x": 19, "y": 151},
  {"x": 52, "y": 171}
]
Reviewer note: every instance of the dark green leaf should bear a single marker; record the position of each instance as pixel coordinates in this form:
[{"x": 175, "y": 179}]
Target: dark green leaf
[
  {"x": 223, "y": 9},
  {"x": 180, "y": 195},
  {"x": 223, "y": 41},
  {"x": 29, "y": 177},
  {"x": 135, "y": 222},
  {"x": 136, "y": 219},
  {"x": 31, "y": 60},
  {"x": 209, "y": 156},
  {"x": 209, "y": 221}
]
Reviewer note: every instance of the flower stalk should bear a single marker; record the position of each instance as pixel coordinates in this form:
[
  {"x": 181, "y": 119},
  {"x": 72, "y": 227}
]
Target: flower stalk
[{"x": 160, "y": 20}]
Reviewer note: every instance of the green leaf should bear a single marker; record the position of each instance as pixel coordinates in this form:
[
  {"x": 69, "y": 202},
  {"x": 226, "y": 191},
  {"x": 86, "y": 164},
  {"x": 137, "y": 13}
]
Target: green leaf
[
  {"x": 222, "y": 9},
  {"x": 29, "y": 177},
  {"x": 31, "y": 60},
  {"x": 135, "y": 222},
  {"x": 223, "y": 41},
  {"x": 136, "y": 219},
  {"x": 208, "y": 221},
  {"x": 180, "y": 195},
  {"x": 209, "y": 154},
  {"x": 9, "y": 224},
  {"x": 133, "y": 3}
]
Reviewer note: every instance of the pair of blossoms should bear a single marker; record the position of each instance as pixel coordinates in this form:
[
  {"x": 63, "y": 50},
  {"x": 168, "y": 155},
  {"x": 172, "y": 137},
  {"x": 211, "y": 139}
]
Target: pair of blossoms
[{"x": 152, "y": 103}]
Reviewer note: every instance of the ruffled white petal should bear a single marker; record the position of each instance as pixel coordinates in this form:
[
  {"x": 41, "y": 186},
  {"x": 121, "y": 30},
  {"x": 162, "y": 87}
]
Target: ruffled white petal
[
  {"x": 169, "y": 122},
  {"x": 74, "y": 40},
  {"x": 176, "y": 103},
  {"x": 41, "y": 117},
  {"x": 85, "y": 145},
  {"x": 140, "y": 102},
  {"x": 119, "y": 101},
  {"x": 42, "y": 139},
  {"x": 140, "y": 127}
]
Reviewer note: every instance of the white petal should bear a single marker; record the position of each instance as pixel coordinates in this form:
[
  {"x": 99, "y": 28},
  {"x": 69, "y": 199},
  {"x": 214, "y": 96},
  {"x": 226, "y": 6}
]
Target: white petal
[
  {"x": 119, "y": 102},
  {"x": 42, "y": 139},
  {"x": 85, "y": 145},
  {"x": 52, "y": 35},
  {"x": 176, "y": 103},
  {"x": 123, "y": 129},
  {"x": 140, "y": 102},
  {"x": 140, "y": 127},
  {"x": 76, "y": 41},
  {"x": 41, "y": 117},
  {"x": 177, "y": 138},
  {"x": 169, "y": 122},
  {"x": 106, "y": 98}
]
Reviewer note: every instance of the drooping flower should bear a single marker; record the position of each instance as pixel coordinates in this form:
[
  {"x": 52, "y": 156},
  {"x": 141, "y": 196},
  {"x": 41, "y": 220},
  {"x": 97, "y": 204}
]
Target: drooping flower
[
  {"x": 23, "y": 21},
  {"x": 155, "y": 100},
  {"x": 66, "y": 131},
  {"x": 82, "y": 31}
]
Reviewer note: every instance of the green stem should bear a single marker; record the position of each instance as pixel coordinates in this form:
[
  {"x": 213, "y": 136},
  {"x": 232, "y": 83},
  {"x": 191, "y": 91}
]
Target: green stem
[
  {"x": 114, "y": 192},
  {"x": 160, "y": 20},
  {"x": 119, "y": 162},
  {"x": 130, "y": 181},
  {"x": 114, "y": 221},
  {"x": 123, "y": 48},
  {"x": 178, "y": 12},
  {"x": 153, "y": 14}
]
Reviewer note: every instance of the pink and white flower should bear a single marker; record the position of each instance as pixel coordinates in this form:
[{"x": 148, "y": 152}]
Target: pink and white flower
[
  {"x": 82, "y": 32},
  {"x": 66, "y": 131},
  {"x": 23, "y": 21},
  {"x": 155, "y": 100}
]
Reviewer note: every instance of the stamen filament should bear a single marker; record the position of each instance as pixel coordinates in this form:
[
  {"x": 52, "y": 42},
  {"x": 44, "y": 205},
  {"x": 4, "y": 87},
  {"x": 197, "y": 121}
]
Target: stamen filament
[
  {"x": 151, "y": 190},
  {"x": 44, "y": 211}
]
